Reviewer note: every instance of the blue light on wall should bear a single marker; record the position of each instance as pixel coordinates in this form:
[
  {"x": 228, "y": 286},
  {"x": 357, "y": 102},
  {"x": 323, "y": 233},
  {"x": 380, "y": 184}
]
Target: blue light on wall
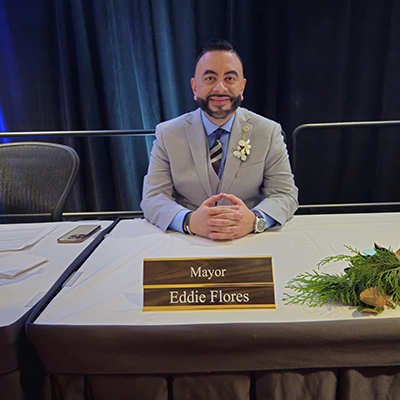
[
  {"x": 7, "y": 66},
  {"x": 3, "y": 127},
  {"x": 2, "y": 122}
]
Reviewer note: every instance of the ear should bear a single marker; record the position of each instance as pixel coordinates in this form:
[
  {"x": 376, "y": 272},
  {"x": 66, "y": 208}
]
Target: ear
[
  {"x": 244, "y": 85},
  {"x": 193, "y": 83}
]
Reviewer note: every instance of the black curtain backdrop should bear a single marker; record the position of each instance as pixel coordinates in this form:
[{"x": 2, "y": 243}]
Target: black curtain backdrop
[{"x": 126, "y": 64}]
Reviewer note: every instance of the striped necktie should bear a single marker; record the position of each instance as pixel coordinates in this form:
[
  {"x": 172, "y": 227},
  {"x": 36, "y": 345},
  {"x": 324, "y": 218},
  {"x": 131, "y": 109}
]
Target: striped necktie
[{"x": 216, "y": 150}]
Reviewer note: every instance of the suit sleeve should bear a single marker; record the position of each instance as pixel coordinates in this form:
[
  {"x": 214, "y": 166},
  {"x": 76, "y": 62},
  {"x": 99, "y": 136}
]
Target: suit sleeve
[
  {"x": 158, "y": 203},
  {"x": 279, "y": 190}
]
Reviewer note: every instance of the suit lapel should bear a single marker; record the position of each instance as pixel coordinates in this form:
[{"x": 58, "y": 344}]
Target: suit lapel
[
  {"x": 198, "y": 146},
  {"x": 232, "y": 163}
]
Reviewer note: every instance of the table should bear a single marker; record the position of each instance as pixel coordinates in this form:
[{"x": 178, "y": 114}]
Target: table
[
  {"x": 93, "y": 337},
  {"x": 19, "y": 369}
]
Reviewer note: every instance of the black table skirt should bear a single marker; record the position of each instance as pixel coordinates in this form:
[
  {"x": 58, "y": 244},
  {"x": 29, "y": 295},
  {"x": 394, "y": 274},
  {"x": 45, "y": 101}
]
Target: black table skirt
[
  {"x": 326, "y": 384},
  {"x": 217, "y": 348},
  {"x": 335, "y": 360}
]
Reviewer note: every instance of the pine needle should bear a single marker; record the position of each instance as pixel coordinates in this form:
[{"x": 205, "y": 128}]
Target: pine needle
[{"x": 380, "y": 270}]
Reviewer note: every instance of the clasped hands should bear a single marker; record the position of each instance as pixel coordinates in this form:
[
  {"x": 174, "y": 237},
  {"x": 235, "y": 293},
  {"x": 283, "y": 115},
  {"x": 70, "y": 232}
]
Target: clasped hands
[{"x": 225, "y": 222}]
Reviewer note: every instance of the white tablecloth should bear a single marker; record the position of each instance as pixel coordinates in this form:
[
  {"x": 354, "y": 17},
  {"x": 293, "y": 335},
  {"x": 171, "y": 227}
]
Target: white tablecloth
[
  {"x": 109, "y": 290},
  {"x": 19, "y": 294}
]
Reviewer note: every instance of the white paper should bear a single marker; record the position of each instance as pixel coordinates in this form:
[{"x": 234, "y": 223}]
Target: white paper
[
  {"x": 18, "y": 237},
  {"x": 15, "y": 264}
]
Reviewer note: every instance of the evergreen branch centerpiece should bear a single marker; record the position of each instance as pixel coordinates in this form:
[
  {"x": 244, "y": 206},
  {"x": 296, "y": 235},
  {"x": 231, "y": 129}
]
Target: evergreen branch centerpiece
[{"x": 371, "y": 282}]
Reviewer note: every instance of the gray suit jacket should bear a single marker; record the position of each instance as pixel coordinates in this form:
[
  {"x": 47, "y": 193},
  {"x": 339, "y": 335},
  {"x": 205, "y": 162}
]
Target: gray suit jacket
[{"x": 180, "y": 174}]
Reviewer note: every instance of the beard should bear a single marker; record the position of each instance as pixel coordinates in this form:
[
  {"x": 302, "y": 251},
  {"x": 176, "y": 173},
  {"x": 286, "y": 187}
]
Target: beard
[{"x": 219, "y": 113}]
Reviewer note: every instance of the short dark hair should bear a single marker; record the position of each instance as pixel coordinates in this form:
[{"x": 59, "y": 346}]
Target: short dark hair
[{"x": 217, "y": 45}]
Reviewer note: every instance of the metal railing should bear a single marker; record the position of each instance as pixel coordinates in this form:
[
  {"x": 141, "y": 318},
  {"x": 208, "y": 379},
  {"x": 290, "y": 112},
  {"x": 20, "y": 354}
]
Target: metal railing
[
  {"x": 91, "y": 133},
  {"x": 339, "y": 125}
]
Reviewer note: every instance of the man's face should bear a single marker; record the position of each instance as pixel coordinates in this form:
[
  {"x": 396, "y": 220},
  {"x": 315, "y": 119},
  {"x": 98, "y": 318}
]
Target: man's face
[{"x": 218, "y": 85}]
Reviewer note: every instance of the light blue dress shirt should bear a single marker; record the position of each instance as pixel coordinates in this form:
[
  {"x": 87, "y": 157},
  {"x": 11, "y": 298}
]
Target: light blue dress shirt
[{"x": 210, "y": 128}]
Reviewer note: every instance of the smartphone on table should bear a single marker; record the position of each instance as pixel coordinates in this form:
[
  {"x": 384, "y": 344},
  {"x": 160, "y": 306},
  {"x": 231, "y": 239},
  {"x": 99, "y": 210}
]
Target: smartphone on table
[{"x": 79, "y": 234}]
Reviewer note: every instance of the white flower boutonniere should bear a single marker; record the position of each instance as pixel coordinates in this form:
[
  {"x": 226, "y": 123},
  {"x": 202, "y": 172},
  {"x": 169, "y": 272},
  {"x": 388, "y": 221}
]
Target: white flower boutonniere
[{"x": 243, "y": 150}]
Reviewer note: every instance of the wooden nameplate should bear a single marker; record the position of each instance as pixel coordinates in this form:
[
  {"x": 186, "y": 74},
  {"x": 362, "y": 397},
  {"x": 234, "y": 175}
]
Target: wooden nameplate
[{"x": 208, "y": 283}]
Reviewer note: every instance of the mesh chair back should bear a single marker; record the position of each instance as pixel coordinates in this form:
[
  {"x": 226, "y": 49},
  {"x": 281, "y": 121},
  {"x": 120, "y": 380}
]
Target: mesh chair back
[{"x": 35, "y": 180}]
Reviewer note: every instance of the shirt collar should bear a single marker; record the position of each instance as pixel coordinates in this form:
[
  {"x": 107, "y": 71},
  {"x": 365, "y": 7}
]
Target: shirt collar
[{"x": 210, "y": 127}]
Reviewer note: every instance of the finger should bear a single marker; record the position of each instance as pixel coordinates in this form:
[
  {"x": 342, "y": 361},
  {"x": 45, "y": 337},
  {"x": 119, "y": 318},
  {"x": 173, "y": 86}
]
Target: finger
[
  {"x": 218, "y": 222},
  {"x": 212, "y": 200},
  {"x": 223, "y": 233},
  {"x": 229, "y": 216},
  {"x": 221, "y": 236},
  {"x": 218, "y": 210},
  {"x": 233, "y": 199}
]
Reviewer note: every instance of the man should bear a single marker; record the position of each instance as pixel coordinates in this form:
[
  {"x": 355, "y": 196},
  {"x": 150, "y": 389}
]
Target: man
[{"x": 221, "y": 171}]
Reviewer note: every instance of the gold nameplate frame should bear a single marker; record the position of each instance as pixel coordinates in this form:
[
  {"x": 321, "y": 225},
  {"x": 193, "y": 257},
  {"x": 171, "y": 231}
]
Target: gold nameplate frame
[{"x": 208, "y": 283}]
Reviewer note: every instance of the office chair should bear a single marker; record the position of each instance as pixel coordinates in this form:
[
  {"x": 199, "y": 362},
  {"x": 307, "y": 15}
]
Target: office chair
[{"x": 35, "y": 180}]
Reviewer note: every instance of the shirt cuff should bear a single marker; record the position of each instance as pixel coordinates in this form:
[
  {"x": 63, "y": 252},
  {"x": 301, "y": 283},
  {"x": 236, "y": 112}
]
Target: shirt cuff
[
  {"x": 177, "y": 223},
  {"x": 269, "y": 220}
]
